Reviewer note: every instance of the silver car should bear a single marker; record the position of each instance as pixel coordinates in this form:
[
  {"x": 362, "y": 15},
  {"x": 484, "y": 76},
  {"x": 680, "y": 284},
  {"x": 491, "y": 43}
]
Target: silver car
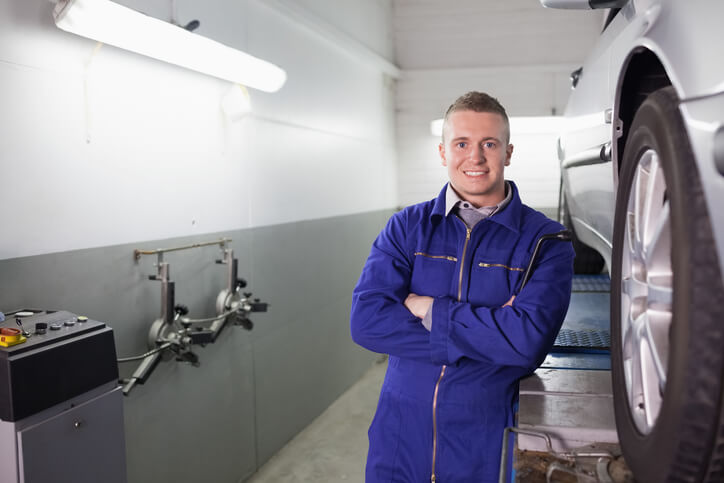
[{"x": 642, "y": 163}]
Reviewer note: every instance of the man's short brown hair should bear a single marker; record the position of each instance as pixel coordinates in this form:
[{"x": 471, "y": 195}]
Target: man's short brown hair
[{"x": 478, "y": 102}]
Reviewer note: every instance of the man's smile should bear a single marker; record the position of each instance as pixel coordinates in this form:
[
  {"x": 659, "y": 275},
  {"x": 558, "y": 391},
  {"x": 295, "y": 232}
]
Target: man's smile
[{"x": 474, "y": 173}]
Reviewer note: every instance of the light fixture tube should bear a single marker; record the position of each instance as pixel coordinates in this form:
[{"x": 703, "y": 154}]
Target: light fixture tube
[
  {"x": 114, "y": 24},
  {"x": 518, "y": 125}
]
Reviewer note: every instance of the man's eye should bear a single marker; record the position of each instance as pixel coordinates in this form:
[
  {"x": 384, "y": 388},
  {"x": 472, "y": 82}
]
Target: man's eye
[
  {"x": 489, "y": 145},
  {"x": 461, "y": 144}
]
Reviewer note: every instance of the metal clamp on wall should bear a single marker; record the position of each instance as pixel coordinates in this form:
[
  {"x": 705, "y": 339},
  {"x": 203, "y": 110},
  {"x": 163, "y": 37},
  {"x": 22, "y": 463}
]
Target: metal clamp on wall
[{"x": 174, "y": 334}]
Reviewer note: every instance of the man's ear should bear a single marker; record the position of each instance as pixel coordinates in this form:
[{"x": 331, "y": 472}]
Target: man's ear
[
  {"x": 441, "y": 150},
  {"x": 508, "y": 154}
]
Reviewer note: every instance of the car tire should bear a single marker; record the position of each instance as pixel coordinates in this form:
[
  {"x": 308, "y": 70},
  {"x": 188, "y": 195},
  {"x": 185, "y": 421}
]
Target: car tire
[
  {"x": 588, "y": 260},
  {"x": 667, "y": 316}
]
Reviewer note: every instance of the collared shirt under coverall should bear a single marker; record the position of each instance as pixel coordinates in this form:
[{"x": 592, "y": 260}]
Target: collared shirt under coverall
[{"x": 449, "y": 393}]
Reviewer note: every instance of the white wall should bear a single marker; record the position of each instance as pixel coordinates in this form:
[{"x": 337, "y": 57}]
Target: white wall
[
  {"x": 517, "y": 51},
  {"x": 524, "y": 91},
  {"x": 104, "y": 147}
]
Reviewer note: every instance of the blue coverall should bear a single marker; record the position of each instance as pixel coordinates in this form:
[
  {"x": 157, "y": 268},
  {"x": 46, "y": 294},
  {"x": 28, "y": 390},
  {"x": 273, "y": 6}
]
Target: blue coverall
[{"x": 449, "y": 393}]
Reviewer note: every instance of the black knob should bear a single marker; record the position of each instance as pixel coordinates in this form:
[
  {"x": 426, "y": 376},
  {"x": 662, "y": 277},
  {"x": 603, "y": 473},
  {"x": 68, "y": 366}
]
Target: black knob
[
  {"x": 192, "y": 25},
  {"x": 240, "y": 283},
  {"x": 181, "y": 309},
  {"x": 41, "y": 328}
]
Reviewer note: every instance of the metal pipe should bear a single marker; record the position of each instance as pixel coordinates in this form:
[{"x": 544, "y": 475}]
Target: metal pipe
[
  {"x": 142, "y": 372},
  {"x": 504, "y": 452},
  {"x": 569, "y": 456},
  {"x": 167, "y": 301},
  {"x": 209, "y": 319},
  {"x": 233, "y": 273},
  {"x": 160, "y": 348},
  {"x": 137, "y": 253},
  {"x": 564, "y": 235},
  {"x": 581, "y": 476}
]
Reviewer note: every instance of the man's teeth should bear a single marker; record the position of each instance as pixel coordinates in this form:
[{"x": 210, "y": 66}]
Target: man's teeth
[{"x": 474, "y": 173}]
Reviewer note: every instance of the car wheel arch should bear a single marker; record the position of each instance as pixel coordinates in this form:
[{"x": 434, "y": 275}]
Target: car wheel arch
[{"x": 642, "y": 73}]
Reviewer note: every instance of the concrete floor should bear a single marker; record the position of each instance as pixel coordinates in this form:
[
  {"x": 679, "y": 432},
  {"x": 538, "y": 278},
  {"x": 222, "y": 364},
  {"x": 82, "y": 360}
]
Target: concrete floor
[{"x": 333, "y": 447}]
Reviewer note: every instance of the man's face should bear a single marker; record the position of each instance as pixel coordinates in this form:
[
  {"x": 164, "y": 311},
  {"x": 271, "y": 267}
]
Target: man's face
[{"x": 476, "y": 151}]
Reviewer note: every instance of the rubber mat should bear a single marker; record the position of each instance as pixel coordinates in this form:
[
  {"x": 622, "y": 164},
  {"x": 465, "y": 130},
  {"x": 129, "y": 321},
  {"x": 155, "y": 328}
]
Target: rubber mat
[
  {"x": 591, "y": 283},
  {"x": 589, "y": 339}
]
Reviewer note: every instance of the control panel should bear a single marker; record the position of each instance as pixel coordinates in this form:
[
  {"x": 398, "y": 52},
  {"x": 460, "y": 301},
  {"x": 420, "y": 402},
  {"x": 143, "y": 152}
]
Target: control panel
[{"x": 47, "y": 357}]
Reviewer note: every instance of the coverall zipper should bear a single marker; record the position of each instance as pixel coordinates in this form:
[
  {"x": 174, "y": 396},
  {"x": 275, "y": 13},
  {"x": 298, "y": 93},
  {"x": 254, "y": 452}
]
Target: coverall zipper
[{"x": 468, "y": 230}]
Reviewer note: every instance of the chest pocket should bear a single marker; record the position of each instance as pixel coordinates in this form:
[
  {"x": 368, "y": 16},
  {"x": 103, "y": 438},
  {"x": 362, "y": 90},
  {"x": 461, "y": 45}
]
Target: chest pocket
[
  {"x": 433, "y": 274},
  {"x": 495, "y": 276}
]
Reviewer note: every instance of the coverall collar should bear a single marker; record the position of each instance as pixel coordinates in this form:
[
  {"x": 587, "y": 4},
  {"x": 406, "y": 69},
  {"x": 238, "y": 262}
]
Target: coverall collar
[{"x": 509, "y": 217}]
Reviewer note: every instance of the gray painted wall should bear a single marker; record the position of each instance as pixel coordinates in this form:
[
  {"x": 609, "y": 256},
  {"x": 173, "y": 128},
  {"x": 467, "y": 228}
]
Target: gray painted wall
[{"x": 254, "y": 390}]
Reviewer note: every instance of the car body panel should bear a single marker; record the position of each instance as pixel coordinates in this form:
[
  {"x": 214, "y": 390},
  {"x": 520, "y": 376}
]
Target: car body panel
[{"x": 686, "y": 38}]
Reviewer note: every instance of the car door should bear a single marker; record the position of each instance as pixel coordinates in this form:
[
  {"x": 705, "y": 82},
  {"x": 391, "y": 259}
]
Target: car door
[{"x": 585, "y": 145}]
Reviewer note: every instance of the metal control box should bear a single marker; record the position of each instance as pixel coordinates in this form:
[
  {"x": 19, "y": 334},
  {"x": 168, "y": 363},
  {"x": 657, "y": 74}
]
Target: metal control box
[
  {"x": 73, "y": 356},
  {"x": 61, "y": 408}
]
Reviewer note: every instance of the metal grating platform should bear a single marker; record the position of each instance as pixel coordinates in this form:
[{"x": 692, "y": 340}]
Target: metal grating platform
[
  {"x": 592, "y": 283},
  {"x": 588, "y": 339}
]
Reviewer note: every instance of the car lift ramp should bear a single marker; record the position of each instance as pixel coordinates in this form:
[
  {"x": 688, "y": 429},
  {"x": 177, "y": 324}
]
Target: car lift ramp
[{"x": 565, "y": 422}]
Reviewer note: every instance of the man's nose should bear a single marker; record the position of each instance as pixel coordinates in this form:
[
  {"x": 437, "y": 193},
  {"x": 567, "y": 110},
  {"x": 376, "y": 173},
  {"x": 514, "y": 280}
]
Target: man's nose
[{"x": 478, "y": 153}]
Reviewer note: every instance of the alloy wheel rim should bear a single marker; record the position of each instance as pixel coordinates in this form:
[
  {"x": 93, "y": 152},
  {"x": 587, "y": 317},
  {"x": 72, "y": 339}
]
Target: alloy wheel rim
[{"x": 646, "y": 292}]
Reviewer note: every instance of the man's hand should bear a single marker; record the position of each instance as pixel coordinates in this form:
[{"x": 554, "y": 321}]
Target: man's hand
[
  {"x": 418, "y": 304},
  {"x": 509, "y": 302}
]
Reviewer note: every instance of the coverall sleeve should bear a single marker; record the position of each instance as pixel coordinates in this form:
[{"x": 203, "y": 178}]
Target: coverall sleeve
[
  {"x": 379, "y": 320},
  {"x": 516, "y": 335}
]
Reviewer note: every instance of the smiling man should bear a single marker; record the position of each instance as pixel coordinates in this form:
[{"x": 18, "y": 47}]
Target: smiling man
[
  {"x": 439, "y": 294},
  {"x": 475, "y": 150}
]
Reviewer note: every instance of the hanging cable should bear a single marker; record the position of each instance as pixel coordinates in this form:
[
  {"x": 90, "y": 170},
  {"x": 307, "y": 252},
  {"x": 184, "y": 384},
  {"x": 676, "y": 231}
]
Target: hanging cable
[
  {"x": 160, "y": 348},
  {"x": 210, "y": 319}
]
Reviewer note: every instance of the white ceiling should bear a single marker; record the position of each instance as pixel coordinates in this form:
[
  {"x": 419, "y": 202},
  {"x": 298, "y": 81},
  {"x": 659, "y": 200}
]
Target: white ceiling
[{"x": 444, "y": 34}]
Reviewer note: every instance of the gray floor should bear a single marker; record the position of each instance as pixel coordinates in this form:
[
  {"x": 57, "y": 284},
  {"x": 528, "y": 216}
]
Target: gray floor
[{"x": 334, "y": 447}]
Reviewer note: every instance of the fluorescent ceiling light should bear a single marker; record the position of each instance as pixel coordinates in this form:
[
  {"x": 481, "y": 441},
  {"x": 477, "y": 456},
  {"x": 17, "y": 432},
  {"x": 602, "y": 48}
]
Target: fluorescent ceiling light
[
  {"x": 128, "y": 29},
  {"x": 518, "y": 125}
]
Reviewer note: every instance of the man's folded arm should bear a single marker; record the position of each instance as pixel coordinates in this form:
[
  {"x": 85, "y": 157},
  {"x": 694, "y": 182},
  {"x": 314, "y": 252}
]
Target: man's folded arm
[
  {"x": 520, "y": 334},
  {"x": 379, "y": 320}
]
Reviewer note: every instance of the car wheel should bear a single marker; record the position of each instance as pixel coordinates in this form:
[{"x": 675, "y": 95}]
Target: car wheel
[
  {"x": 588, "y": 260},
  {"x": 667, "y": 316}
]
